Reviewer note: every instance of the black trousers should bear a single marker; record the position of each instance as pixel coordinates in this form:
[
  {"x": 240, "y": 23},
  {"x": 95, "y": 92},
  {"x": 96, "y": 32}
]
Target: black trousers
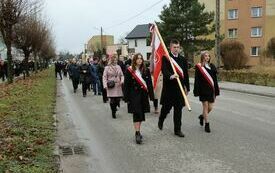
[
  {"x": 60, "y": 75},
  {"x": 155, "y": 103},
  {"x": 85, "y": 87},
  {"x": 165, "y": 109},
  {"x": 114, "y": 103},
  {"x": 104, "y": 95},
  {"x": 75, "y": 83}
]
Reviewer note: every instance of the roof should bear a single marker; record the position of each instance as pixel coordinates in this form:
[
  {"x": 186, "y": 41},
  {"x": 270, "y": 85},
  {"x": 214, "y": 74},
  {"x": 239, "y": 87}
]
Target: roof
[{"x": 140, "y": 31}]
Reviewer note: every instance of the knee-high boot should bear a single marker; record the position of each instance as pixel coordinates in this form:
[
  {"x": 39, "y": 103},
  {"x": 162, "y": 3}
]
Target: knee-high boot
[{"x": 113, "y": 108}]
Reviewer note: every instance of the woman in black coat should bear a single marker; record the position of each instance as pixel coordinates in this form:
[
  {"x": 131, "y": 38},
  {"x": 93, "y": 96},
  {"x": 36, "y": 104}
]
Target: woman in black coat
[
  {"x": 206, "y": 87},
  {"x": 138, "y": 88},
  {"x": 74, "y": 73}
]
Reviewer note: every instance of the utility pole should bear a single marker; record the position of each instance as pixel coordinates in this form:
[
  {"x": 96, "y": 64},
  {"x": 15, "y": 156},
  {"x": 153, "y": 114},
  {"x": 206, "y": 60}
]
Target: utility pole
[
  {"x": 217, "y": 35},
  {"x": 101, "y": 37}
]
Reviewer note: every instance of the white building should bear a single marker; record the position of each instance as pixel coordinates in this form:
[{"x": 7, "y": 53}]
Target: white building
[
  {"x": 16, "y": 53},
  {"x": 139, "y": 41}
]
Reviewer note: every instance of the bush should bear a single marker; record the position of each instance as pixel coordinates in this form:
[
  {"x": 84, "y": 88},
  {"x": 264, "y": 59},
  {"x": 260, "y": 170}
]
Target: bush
[
  {"x": 271, "y": 47},
  {"x": 233, "y": 56}
]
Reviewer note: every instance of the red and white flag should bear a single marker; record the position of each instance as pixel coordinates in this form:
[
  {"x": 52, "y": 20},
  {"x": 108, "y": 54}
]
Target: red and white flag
[{"x": 158, "y": 51}]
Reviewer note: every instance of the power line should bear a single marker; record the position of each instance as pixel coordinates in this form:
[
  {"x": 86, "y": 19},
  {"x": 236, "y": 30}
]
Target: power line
[{"x": 134, "y": 15}]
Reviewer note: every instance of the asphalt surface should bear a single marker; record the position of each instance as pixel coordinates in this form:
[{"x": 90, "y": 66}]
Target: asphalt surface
[{"x": 242, "y": 138}]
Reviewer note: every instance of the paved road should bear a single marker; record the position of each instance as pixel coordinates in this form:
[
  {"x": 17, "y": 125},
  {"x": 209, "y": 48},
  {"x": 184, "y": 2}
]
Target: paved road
[{"x": 242, "y": 137}]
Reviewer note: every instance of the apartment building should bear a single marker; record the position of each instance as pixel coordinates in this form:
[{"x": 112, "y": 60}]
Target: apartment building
[{"x": 251, "y": 22}]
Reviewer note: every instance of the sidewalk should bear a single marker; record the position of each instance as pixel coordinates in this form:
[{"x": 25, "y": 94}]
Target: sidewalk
[{"x": 245, "y": 88}]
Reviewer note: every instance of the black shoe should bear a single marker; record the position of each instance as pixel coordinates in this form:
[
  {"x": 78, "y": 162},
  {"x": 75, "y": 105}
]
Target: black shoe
[
  {"x": 179, "y": 134},
  {"x": 84, "y": 95},
  {"x": 207, "y": 128},
  {"x": 114, "y": 115},
  {"x": 160, "y": 124},
  {"x": 74, "y": 90},
  {"x": 138, "y": 138},
  {"x": 201, "y": 120}
]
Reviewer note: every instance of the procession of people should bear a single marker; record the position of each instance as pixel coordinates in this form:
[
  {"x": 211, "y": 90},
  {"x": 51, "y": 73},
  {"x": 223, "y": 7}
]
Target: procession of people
[{"x": 132, "y": 81}]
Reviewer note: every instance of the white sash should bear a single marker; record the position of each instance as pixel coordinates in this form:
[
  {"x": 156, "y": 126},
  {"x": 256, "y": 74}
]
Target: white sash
[
  {"x": 138, "y": 78},
  {"x": 206, "y": 75},
  {"x": 178, "y": 68}
]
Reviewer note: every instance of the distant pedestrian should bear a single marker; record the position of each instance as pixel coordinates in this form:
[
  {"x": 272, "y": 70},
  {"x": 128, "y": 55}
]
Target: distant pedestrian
[
  {"x": 102, "y": 64},
  {"x": 85, "y": 77},
  {"x": 113, "y": 80},
  {"x": 95, "y": 74},
  {"x": 58, "y": 69},
  {"x": 2, "y": 70},
  {"x": 138, "y": 88},
  {"x": 74, "y": 73},
  {"x": 206, "y": 87}
]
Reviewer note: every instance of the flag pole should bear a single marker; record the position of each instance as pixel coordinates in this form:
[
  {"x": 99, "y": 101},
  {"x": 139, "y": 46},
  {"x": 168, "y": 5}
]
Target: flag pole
[{"x": 174, "y": 70}]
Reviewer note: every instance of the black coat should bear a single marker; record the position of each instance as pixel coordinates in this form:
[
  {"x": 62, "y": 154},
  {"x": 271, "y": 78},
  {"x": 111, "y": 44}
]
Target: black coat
[
  {"x": 122, "y": 66},
  {"x": 137, "y": 97},
  {"x": 74, "y": 71},
  {"x": 171, "y": 93},
  {"x": 201, "y": 86},
  {"x": 85, "y": 75}
]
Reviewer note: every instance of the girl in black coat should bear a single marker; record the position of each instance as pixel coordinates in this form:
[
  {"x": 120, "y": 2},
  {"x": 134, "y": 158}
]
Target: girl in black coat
[
  {"x": 206, "y": 87},
  {"x": 138, "y": 88}
]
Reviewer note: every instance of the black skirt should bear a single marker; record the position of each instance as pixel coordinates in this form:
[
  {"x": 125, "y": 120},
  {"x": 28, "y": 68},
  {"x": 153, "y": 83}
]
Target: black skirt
[
  {"x": 138, "y": 117},
  {"x": 209, "y": 98}
]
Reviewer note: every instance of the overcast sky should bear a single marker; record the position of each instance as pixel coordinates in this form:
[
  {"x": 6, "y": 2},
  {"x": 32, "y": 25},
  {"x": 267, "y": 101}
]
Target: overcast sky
[{"x": 75, "y": 21}]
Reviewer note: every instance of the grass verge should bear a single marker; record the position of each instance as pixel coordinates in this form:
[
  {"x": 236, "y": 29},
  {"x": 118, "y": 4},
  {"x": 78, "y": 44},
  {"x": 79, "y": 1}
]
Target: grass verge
[{"x": 26, "y": 124}]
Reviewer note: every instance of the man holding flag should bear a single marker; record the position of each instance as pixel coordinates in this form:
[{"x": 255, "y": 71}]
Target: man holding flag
[
  {"x": 176, "y": 86},
  {"x": 171, "y": 95}
]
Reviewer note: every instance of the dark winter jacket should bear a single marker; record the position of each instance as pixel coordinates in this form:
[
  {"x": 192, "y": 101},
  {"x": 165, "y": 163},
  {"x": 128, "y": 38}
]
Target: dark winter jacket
[
  {"x": 136, "y": 97},
  {"x": 202, "y": 87},
  {"x": 171, "y": 93}
]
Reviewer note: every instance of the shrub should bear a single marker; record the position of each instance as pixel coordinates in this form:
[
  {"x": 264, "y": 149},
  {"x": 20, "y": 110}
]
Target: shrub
[
  {"x": 271, "y": 47},
  {"x": 233, "y": 56}
]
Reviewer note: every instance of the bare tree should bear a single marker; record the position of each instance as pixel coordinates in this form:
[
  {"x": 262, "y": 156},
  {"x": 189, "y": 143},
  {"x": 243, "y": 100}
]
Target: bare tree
[
  {"x": 11, "y": 12},
  {"x": 47, "y": 51},
  {"x": 40, "y": 34},
  {"x": 233, "y": 55},
  {"x": 24, "y": 38}
]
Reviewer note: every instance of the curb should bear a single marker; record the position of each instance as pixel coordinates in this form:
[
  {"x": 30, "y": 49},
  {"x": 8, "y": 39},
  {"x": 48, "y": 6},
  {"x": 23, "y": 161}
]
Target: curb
[
  {"x": 245, "y": 91},
  {"x": 248, "y": 92}
]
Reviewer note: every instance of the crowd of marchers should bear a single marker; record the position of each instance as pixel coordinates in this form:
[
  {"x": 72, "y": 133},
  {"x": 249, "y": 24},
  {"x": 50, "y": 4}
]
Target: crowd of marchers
[{"x": 130, "y": 80}]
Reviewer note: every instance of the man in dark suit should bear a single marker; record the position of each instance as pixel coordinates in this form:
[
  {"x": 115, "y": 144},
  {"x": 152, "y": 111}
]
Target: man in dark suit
[{"x": 171, "y": 95}]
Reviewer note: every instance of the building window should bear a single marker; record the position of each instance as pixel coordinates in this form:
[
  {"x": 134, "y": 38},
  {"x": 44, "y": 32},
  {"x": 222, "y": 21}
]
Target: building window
[
  {"x": 232, "y": 33},
  {"x": 135, "y": 43},
  {"x": 256, "y": 11},
  {"x": 255, "y": 51},
  {"x": 256, "y": 32},
  {"x": 131, "y": 50},
  {"x": 233, "y": 14}
]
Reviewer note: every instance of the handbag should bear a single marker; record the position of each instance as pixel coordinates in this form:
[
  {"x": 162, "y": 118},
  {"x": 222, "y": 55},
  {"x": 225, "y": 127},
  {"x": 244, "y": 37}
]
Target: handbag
[{"x": 111, "y": 84}]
